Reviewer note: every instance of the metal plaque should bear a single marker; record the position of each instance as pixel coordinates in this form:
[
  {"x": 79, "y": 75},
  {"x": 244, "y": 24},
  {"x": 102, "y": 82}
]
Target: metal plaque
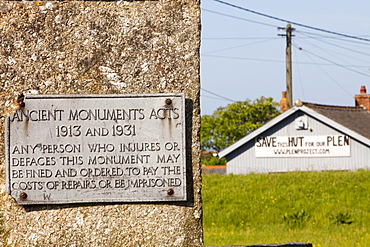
[{"x": 97, "y": 148}]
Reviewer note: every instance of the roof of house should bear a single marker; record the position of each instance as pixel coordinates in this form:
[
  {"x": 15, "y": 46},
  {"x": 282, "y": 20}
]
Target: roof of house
[
  {"x": 355, "y": 118},
  {"x": 354, "y": 121}
]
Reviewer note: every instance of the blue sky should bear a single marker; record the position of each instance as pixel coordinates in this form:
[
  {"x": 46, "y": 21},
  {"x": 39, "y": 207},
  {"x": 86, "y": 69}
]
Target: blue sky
[{"x": 242, "y": 56}]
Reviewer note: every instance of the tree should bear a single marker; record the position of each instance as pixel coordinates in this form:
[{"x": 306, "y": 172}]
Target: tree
[{"x": 228, "y": 124}]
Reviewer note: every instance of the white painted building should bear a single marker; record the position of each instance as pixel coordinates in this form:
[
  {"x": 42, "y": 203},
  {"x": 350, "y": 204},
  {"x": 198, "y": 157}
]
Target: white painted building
[{"x": 307, "y": 137}]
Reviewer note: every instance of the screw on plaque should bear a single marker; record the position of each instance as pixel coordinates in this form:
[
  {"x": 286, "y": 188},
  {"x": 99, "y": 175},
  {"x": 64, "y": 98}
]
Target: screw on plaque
[
  {"x": 170, "y": 192},
  {"x": 168, "y": 101},
  {"x": 23, "y": 195}
]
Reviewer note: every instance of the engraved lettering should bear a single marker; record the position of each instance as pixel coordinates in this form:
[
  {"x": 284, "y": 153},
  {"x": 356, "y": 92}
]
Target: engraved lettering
[
  {"x": 168, "y": 170},
  {"x": 47, "y": 197},
  {"x": 172, "y": 158},
  {"x": 68, "y": 131},
  {"x": 39, "y": 173},
  {"x": 169, "y": 146},
  {"x": 30, "y": 185},
  {"x": 71, "y": 160},
  {"x": 102, "y": 172},
  {"x": 133, "y": 170},
  {"x": 150, "y": 170},
  {"x": 62, "y": 173},
  {"x": 28, "y": 149},
  {"x": 61, "y": 148},
  {"x": 119, "y": 159},
  {"x": 139, "y": 147},
  {"x": 68, "y": 149},
  {"x": 97, "y": 132},
  {"x": 28, "y": 161},
  {"x": 160, "y": 182},
  {"x": 164, "y": 113},
  {"x": 106, "y": 114},
  {"x": 37, "y": 115},
  {"x": 126, "y": 130},
  {"x": 97, "y": 147}
]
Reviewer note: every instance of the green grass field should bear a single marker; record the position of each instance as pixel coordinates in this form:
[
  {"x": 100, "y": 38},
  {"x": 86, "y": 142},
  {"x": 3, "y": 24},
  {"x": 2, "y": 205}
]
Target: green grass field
[{"x": 323, "y": 208}]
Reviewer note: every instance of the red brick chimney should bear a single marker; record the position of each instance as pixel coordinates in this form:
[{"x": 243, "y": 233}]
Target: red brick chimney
[
  {"x": 283, "y": 102},
  {"x": 363, "y": 99}
]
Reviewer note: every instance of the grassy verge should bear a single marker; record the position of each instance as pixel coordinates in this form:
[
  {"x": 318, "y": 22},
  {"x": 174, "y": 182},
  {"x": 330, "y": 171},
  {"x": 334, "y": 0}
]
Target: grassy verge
[{"x": 323, "y": 208}]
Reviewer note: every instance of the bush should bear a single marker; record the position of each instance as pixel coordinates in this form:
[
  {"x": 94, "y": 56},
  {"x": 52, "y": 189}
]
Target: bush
[{"x": 213, "y": 161}]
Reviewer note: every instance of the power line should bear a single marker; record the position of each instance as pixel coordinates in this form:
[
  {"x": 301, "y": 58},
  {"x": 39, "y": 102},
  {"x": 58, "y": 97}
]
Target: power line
[
  {"x": 235, "y": 17},
  {"x": 244, "y": 58},
  {"x": 335, "y": 37},
  {"x": 210, "y": 97},
  {"x": 340, "y": 65},
  {"x": 263, "y": 38},
  {"x": 306, "y": 37},
  {"x": 300, "y": 78},
  {"x": 234, "y": 47},
  {"x": 280, "y": 61},
  {"x": 292, "y": 22},
  {"x": 347, "y": 36},
  {"x": 220, "y": 96},
  {"x": 339, "y": 46},
  {"x": 328, "y": 75},
  {"x": 338, "y": 55}
]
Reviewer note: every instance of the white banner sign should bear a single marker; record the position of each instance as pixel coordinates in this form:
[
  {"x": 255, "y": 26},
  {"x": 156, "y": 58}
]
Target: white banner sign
[{"x": 303, "y": 146}]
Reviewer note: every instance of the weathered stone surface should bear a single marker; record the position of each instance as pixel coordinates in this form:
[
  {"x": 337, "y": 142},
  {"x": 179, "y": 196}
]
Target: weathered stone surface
[{"x": 90, "y": 47}]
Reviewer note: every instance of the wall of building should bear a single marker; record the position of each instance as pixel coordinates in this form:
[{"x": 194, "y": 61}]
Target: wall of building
[
  {"x": 102, "y": 47},
  {"x": 244, "y": 161},
  {"x": 208, "y": 170}
]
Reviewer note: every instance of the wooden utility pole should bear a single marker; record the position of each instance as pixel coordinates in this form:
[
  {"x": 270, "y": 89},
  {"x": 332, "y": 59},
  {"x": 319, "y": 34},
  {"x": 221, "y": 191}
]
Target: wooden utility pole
[{"x": 289, "y": 86}]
